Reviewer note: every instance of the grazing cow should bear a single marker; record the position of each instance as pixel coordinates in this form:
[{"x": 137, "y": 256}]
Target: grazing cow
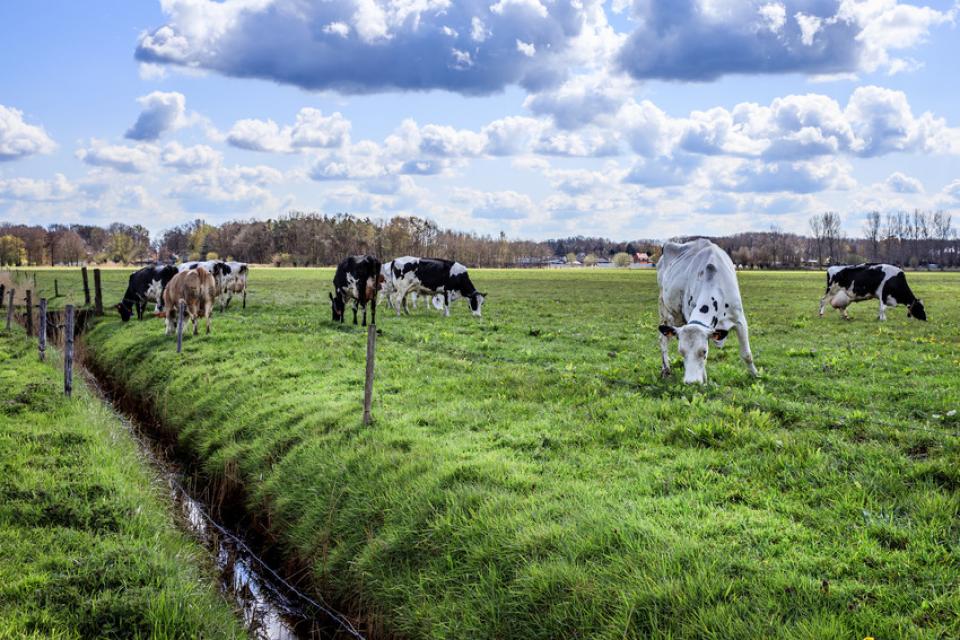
[
  {"x": 145, "y": 284},
  {"x": 847, "y": 284},
  {"x": 235, "y": 281},
  {"x": 699, "y": 301},
  {"x": 195, "y": 288},
  {"x": 433, "y": 277},
  {"x": 387, "y": 290},
  {"x": 217, "y": 268},
  {"x": 358, "y": 279}
]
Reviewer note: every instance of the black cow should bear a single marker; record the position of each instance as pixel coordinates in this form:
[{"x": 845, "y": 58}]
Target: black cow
[
  {"x": 433, "y": 276},
  {"x": 357, "y": 278},
  {"x": 145, "y": 284},
  {"x": 847, "y": 284}
]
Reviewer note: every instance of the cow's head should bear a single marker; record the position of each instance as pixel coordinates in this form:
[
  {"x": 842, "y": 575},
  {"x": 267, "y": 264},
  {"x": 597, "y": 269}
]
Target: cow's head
[
  {"x": 916, "y": 310},
  {"x": 125, "y": 309},
  {"x": 693, "y": 342},
  {"x": 476, "y": 302},
  {"x": 336, "y": 302}
]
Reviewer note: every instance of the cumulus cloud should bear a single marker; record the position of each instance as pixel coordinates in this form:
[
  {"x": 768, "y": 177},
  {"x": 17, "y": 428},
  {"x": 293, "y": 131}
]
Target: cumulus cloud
[
  {"x": 30, "y": 190},
  {"x": 312, "y": 129},
  {"x": 160, "y": 112},
  {"x": 901, "y": 183},
  {"x": 19, "y": 139},
  {"x": 189, "y": 159},
  {"x": 122, "y": 158},
  {"x": 796, "y": 177},
  {"x": 371, "y": 45},
  {"x": 495, "y": 205},
  {"x": 227, "y": 189},
  {"x": 704, "y": 39}
]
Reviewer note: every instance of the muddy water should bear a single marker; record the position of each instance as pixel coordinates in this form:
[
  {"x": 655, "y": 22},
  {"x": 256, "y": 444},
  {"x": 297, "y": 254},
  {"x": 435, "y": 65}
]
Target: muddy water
[{"x": 272, "y": 609}]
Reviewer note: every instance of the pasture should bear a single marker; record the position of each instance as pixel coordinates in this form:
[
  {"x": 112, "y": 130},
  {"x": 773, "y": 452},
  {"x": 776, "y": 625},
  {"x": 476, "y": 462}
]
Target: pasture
[
  {"x": 88, "y": 547},
  {"x": 529, "y": 475}
]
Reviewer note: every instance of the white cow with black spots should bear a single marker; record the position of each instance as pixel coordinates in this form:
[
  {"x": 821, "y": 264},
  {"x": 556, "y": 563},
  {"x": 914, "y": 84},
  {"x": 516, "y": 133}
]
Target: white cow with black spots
[{"x": 699, "y": 302}]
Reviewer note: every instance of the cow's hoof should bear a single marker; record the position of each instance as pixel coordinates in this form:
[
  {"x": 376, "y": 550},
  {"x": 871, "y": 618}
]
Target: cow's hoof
[{"x": 665, "y": 373}]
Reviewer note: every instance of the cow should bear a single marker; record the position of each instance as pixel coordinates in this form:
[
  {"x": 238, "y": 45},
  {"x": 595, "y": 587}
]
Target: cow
[
  {"x": 848, "y": 284},
  {"x": 145, "y": 284},
  {"x": 235, "y": 281},
  {"x": 195, "y": 288},
  {"x": 358, "y": 279},
  {"x": 433, "y": 276},
  {"x": 699, "y": 302},
  {"x": 387, "y": 290}
]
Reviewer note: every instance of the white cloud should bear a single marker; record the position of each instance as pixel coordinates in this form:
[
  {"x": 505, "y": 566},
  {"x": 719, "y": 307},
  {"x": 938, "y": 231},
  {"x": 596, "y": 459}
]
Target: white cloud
[
  {"x": 160, "y": 112},
  {"x": 19, "y": 139},
  {"x": 122, "y": 158},
  {"x": 189, "y": 159},
  {"x": 30, "y": 190},
  {"x": 901, "y": 183},
  {"x": 312, "y": 129},
  {"x": 496, "y": 205}
]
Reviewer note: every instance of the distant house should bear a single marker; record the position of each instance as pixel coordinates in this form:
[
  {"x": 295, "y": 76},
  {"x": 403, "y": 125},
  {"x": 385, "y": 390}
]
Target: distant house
[{"x": 641, "y": 260}]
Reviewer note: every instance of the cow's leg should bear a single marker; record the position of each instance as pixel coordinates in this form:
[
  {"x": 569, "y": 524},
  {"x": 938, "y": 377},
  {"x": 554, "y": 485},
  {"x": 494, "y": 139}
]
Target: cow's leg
[
  {"x": 373, "y": 311},
  {"x": 208, "y": 310},
  {"x": 171, "y": 323},
  {"x": 244, "y": 298},
  {"x": 744, "y": 338},
  {"x": 883, "y": 311},
  {"x": 403, "y": 303},
  {"x": 354, "y": 311},
  {"x": 446, "y": 303},
  {"x": 229, "y": 298},
  {"x": 664, "y": 356},
  {"x": 364, "y": 323},
  {"x": 823, "y": 302}
]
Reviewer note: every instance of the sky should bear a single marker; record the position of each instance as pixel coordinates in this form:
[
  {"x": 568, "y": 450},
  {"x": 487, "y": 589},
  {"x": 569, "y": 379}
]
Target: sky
[{"x": 539, "y": 118}]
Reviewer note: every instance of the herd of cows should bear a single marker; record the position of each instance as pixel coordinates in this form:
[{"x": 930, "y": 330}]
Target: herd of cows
[{"x": 699, "y": 302}]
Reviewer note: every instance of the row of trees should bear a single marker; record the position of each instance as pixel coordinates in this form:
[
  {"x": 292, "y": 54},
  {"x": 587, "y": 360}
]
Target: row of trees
[{"x": 304, "y": 239}]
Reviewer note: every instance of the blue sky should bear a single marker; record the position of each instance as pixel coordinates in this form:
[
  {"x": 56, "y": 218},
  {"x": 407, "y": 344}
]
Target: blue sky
[{"x": 541, "y": 118}]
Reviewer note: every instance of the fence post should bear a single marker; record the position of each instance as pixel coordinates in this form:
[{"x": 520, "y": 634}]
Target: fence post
[
  {"x": 10, "y": 307},
  {"x": 86, "y": 286},
  {"x": 56, "y": 288},
  {"x": 97, "y": 293},
  {"x": 42, "y": 336},
  {"x": 368, "y": 384},
  {"x": 29, "y": 317},
  {"x": 68, "y": 353},
  {"x": 3, "y": 289},
  {"x": 180, "y": 326}
]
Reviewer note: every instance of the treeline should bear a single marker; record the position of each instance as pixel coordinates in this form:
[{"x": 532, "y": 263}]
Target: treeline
[{"x": 310, "y": 239}]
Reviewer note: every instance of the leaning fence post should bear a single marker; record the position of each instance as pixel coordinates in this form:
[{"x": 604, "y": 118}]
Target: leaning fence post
[
  {"x": 42, "y": 336},
  {"x": 180, "y": 326},
  {"x": 29, "y": 317},
  {"x": 97, "y": 294},
  {"x": 10, "y": 307},
  {"x": 68, "y": 353},
  {"x": 86, "y": 286},
  {"x": 368, "y": 384}
]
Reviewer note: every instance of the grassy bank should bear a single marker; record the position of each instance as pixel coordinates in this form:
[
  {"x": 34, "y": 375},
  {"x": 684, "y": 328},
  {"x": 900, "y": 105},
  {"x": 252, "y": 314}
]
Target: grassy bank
[
  {"x": 530, "y": 476},
  {"x": 87, "y": 547}
]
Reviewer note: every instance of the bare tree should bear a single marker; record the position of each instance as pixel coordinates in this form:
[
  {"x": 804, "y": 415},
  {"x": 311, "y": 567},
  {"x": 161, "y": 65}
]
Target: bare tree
[
  {"x": 871, "y": 229},
  {"x": 816, "y": 228}
]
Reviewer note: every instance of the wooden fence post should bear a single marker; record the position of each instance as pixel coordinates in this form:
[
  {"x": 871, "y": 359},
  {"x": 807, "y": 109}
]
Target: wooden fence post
[
  {"x": 368, "y": 384},
  {"x": 180, "y": 326},
  {"x": 68, "y": 353},
  {"x": 42, "y": 336},
  {"x": 3, "y": 289},
  {"x": 86, "y": 286},
  {"x": 97, "y": 293},
  {"x": 56, "y": 288},
  {"x": 10, "y": 307},
  {"x": 29, "y": 317}
]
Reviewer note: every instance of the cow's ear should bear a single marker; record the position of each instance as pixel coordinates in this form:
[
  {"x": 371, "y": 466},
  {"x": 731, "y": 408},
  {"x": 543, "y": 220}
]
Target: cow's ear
[
  {"x": 720, "y": 334},
  {"x": 668, "y": 331}
]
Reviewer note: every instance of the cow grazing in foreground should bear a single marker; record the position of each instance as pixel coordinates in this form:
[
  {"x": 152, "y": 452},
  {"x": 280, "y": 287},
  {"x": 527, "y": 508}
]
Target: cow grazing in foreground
[
  {"x": 144, "y": 285},
  {"x": 218, "y": 269},
  {"x": 433, "y": 277},
  {"x": 699, "y": 302},
  {"x": 848, "y": 284},
  {"x": 358, "y": 279},
  {"x": 195, "y": 287}
]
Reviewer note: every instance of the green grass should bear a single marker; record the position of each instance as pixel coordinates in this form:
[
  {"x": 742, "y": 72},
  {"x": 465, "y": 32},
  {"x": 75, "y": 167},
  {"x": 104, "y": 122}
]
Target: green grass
[
  {"x": 530, "y": 476},
  {"x": 87, "y": 547}
]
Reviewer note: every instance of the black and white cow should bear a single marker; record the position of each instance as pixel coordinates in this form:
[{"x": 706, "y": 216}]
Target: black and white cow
[
  {"x": 699, "y": 302},
  {"x": 145, "y": 284},
  {"x": 433, "y": 276},
  {"x": 235, "y": 281},
  {"x": 358, "y": 279},
  {"x": 848, "y": 284}
]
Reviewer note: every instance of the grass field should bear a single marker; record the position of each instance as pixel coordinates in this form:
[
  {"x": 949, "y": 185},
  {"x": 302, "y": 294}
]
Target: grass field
[
  {"x": 529, "y": 475},
  {"x": 87, "y": 547}
]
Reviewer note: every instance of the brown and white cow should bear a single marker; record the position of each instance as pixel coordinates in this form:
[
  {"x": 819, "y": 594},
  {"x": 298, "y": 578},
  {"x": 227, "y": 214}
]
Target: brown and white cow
[{"x": 197, "y": 289}]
